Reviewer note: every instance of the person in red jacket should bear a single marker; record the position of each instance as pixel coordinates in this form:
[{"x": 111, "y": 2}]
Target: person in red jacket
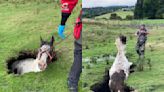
[
  {"x": 67, "y": 7},
  {"x": 76, "y": 69}
]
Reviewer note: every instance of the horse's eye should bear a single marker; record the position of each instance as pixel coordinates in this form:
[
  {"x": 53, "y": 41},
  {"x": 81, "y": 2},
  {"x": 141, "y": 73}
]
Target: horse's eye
[{"x": 40, "y": 50}]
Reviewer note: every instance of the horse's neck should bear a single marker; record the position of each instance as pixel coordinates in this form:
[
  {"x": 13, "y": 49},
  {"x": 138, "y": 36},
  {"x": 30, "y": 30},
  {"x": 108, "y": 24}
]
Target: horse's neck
[
  {"x": 121, "y": 51},
  {"x": 120, "y": 58},
  {"x": 36, "y": 65},
  {"x": 43, "y": 58}
]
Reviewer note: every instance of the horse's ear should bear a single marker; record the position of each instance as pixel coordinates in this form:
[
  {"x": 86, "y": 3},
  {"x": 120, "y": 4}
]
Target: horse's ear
[
  {"x": 41, "y": 41},
  {"x": 52, "y": 40}
]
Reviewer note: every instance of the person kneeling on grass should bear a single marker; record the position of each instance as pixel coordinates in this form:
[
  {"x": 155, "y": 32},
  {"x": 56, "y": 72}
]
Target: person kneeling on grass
[
  {"x": 140, "y": 46},
  {"x": 76, "y": 69}
]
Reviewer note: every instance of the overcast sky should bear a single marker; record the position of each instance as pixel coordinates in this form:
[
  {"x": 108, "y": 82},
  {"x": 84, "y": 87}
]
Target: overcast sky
[{"x": 103, "y": 3}]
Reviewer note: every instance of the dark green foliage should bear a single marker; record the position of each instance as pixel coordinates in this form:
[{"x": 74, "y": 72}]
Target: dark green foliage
[
  {"x": 160, "y": 13},
  {"x": 150, "y": 9},
  {"x": 138, "y": 12},
  {"x": 114, "y": 16},
  {"x": 129, "y": 17},
  {"x": 92, "y": 12}
]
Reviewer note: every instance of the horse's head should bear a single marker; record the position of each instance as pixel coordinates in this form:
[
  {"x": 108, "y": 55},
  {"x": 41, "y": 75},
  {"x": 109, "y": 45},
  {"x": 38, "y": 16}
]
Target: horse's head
[
  {"x": 45, "y": 52},
  {"x": 121, "y": 42}
]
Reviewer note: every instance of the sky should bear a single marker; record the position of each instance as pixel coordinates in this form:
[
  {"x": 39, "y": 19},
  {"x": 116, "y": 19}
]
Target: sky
[{"x": 104, "y": 3}]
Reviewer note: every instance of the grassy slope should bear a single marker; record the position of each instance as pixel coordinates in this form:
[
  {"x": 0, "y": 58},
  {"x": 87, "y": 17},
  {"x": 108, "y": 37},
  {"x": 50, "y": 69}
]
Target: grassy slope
[
  {"x": 123, "y": 14},
  {"x": 120, "y": 13},
  {"x": 100, "y": 40},
  {"x": 21, "y": 28}
]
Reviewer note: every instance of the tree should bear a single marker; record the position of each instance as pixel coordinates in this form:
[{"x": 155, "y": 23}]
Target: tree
[
  {"x": 138, "y": 12},
  {"x": 150, "y": 8},
  {"x": 160, "y": 13}
]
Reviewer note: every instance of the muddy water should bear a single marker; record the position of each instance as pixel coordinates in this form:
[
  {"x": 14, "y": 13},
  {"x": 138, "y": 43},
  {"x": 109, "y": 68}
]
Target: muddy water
[{"x": 99, "y": 58}]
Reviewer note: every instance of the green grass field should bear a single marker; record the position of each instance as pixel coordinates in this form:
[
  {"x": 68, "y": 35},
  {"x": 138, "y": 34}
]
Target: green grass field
[
  {"x": 20, "y": 29},
  {"x": 99, "y": 40},
  {"x": 120, "y": 13}
]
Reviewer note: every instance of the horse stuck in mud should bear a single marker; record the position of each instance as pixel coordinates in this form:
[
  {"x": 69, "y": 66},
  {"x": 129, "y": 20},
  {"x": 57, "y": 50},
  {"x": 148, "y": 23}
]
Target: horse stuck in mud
[
  {"x": 114, "y": 79},
  {"x": 32, "y": 61}
]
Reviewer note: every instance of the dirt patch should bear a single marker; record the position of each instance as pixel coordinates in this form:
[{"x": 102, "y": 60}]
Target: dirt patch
[{"x": 26, "y": 54}]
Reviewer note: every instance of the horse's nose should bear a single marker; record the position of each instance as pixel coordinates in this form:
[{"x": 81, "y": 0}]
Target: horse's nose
[{"x": 42, "y": 66}]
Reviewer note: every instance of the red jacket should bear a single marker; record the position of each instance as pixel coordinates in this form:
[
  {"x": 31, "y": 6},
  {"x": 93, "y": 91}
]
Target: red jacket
[
  {"x": 78, "y": 27},
  {"x": 68, "y": 5}
]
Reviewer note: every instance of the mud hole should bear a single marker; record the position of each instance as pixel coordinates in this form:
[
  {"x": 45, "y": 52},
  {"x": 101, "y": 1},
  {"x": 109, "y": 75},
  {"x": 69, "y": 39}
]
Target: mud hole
[
  {"x": 102, "y": 85},
  {"x": 25, "y": 54}
]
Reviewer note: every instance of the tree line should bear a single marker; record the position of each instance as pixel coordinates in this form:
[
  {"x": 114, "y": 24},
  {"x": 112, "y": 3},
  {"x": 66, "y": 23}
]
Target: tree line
[
  {"x": 97, "y": 11},
  {"x": 149, "y": 9}
]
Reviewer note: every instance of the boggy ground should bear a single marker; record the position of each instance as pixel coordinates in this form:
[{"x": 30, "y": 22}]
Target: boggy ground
[{"x": 99, "y": 40}]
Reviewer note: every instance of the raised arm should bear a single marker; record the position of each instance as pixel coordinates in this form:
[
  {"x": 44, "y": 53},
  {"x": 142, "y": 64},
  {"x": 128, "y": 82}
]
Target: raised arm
[{"x": 67, "y": 7}]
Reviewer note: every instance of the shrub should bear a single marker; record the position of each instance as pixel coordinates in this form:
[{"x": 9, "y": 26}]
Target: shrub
[
  {"x": 160, "y": 13},
  {"x": 114, "y": 16},
  {"x": 129, "y": 17}
]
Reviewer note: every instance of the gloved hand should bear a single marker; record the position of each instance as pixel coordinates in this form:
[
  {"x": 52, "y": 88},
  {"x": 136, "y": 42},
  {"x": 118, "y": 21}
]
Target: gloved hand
[{"x": 61, "y": 30}]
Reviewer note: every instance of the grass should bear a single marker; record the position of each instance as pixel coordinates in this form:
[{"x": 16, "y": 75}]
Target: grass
[
  {"x": 20, "y": 29},
  {"x": 99, "y": 40},
  {"x": 133, "y": 23},
  {"x": 120, "y": 13},
  {"x": 105, "y": 19}
]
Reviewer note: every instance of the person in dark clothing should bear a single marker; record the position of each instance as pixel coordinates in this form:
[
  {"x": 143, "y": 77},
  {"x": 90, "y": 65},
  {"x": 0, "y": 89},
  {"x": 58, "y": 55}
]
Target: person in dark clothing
[
  {"x": 76, "y": 69},
  {"x": 142, "y": 38},
  {"x": 140, "y": 46}
]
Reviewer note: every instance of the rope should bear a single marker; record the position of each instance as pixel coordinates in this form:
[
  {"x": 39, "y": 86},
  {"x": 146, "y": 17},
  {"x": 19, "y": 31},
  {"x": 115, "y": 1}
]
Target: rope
[
  {"x": 63, "y": 39},
  {"x": 58, "y": 43}
]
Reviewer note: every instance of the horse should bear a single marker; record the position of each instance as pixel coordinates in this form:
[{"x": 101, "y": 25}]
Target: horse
[
  {"x": 120, "y": 69},
  {"x": 35, "y": 65}
]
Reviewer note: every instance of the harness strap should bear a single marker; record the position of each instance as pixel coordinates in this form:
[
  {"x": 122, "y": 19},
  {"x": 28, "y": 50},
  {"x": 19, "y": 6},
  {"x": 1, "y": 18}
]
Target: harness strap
[{"x": 49, "y": 55}]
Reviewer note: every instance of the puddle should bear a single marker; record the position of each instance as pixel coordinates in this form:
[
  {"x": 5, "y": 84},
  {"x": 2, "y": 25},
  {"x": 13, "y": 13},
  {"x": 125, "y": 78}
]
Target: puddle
[
  {"x": 25, "y": 58},
  {"x": 100, "y": 58}
]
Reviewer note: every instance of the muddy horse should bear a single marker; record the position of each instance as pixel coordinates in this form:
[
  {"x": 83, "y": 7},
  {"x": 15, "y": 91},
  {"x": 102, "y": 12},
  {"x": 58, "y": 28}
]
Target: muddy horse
[
  {"x": 114, "y": 78},
  {"x": 37, "y": 64},
  {"x": 120, "y": 69}
]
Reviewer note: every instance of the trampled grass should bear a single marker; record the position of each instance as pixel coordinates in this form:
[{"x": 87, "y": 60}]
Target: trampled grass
[{"x": 20, "y": 29}]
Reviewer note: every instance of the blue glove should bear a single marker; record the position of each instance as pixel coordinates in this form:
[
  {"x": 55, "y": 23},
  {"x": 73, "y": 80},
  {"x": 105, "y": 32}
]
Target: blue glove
[{"x": 61, "y": 30}]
